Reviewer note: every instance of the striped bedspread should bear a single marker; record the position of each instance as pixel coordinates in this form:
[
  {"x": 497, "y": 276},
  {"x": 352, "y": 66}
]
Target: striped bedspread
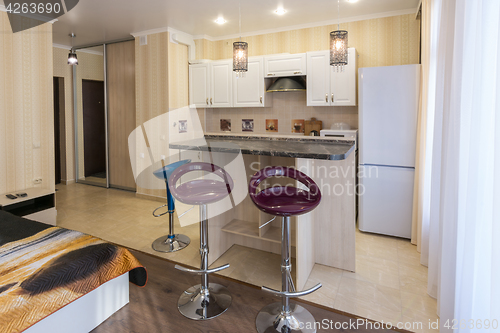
[{"x": 43, "y": 272}]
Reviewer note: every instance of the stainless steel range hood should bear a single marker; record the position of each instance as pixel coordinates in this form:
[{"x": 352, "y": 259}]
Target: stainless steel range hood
[{"x": 288, "y": 84}]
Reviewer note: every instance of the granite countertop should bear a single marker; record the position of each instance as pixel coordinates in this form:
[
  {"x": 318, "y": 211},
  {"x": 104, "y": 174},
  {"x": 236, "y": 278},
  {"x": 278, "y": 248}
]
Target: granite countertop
[{"x": 304, "y": 147}]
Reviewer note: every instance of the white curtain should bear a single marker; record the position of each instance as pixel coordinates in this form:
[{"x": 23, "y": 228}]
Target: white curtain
[
  {"x": 423, "y": 167},
  {"x": 458, "y": 200}
]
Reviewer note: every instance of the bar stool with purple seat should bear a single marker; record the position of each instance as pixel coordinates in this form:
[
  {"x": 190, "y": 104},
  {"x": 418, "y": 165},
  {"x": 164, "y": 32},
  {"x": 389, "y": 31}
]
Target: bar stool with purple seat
[
  {"x": 285, "y": 201},
  {"x": 171, "y": 242},
  {"x": 205, "y": 300}
]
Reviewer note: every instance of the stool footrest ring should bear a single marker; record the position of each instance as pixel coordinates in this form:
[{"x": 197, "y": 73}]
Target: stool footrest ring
[
  {"x": 161, "y": 213},
  {"x": 201, "y": 271},
  {"x": 292, "y": 293}
]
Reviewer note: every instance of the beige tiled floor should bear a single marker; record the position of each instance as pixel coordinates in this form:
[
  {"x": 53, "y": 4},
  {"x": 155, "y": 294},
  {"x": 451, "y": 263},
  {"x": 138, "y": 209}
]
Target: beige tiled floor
[{"x": 389, "y": 283}]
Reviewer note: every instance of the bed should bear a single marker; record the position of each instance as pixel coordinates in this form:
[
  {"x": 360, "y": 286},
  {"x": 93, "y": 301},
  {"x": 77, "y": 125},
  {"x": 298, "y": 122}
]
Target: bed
[{"x": 59, "y": 280}]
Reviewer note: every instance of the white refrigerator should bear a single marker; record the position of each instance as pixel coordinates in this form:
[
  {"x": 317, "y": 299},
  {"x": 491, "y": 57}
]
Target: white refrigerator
[{"x": 388, "y": 108}]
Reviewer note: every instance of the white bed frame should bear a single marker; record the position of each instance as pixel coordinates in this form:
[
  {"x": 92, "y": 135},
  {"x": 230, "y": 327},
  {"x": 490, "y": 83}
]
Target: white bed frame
[{"x": 89, "y": 311}]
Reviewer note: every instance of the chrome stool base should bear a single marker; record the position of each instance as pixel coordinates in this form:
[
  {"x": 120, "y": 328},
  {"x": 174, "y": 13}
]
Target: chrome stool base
[
  {"x": 193, "y": 304},
  {"x": 166, "y": 244},
  {"x": 271, "y": 319}
]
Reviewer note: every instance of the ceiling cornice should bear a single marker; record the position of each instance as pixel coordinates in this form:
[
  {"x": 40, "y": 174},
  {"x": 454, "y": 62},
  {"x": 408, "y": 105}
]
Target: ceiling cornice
[
  {"x": 60, "y": 46},
  {"x": 207, "y": 37},
  {"x": 149, "y": 32},
  {"x": 90, "y": 52},
  {"x": 66, "y": 47}
]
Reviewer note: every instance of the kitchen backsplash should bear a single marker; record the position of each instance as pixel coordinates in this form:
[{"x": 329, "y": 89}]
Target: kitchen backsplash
[{"x": 287, "y": 106}]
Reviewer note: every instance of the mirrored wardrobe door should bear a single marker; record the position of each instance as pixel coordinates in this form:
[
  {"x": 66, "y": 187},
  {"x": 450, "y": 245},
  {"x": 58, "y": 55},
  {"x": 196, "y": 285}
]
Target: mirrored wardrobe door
[{"x": 91, "y": 156}]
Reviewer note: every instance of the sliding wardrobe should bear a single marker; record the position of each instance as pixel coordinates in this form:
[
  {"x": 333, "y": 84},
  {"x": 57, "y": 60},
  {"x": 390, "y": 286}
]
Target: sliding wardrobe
[{"x": 104, "y": 108}]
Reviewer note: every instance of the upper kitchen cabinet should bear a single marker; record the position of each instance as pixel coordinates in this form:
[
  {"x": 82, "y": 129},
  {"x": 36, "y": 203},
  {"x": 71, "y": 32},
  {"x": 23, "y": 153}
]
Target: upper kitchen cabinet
[
  {"x": 210, "y": 84},
  {"x": 199, "y": 85},
  {"x": 250, "y": 90},
  {"x": 325, "y": 85},
  {"x": 285, "y": 65},
  {"x": 343, "y": 83},
  {"x": 221, "y": 83}
]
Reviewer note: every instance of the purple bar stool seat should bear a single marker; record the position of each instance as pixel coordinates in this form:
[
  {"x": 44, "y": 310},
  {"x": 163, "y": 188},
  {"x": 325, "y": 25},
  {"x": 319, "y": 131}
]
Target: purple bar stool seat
[
  {"x": 205, "y": 300},
  {"x": 285, "y": 201}
]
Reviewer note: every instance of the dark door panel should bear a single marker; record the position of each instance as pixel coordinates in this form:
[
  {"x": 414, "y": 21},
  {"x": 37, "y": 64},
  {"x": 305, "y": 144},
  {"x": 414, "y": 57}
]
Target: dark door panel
[{"x": 94, "y": 132}]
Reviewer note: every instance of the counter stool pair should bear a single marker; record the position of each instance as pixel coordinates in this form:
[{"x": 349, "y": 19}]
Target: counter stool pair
[{"x": 208, "y": 300}]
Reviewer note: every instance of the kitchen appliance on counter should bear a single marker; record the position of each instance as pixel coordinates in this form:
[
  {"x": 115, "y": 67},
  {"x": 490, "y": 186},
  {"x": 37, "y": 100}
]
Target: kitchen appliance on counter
[
  {"x": 340, "y": 134},
  {"x": 340, "y": 126},
  {"x": 313, "y": 126},
  {"x": 388, "y": 107}
]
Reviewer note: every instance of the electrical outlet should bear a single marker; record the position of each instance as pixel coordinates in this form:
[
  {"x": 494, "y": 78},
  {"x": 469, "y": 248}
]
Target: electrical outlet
[{"x": 37, "y": 181}]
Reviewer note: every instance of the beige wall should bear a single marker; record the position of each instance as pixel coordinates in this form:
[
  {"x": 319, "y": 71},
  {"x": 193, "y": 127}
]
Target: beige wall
[
  {"x": 152, "y": 88},
  {"x": 26, "y": 107},
  {"x": 62, "y": 69},
  {"x": 379, "y": 42},
  {"x": 178, "y": 76}
]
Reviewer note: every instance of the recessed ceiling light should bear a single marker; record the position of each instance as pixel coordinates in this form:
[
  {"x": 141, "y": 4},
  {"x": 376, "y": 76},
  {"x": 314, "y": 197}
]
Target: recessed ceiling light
[
  {"x": 280, "y": 11},
  {"x": 220, "y": 20}
]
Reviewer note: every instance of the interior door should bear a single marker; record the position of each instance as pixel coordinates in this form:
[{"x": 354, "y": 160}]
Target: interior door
[
  {"x": 248, "y": 91},
  {"x": 121, "y": 111},
  {"x": 221, "y": 83},
  {"x": 94, "y": 132}
]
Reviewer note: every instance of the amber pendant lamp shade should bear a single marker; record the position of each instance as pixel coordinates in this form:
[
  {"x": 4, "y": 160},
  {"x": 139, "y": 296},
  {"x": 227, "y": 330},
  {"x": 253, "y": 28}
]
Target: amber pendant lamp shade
[
  {"x": 338, "y": 48},
  {"x": 240, "y": 57}
]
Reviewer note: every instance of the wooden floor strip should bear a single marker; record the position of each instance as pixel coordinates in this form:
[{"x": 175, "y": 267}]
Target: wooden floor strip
[{"x": 154, "y": 308}]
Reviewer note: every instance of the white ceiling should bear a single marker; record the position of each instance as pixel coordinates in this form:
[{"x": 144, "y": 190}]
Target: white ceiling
[{"x": 105, "y": 20}]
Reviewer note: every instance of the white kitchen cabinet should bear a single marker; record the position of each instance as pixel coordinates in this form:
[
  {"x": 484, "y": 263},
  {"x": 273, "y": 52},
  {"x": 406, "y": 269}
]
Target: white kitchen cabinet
[
  {"x": 210, "y": 84},
  {"x": 343, "y": 84},
  {"x": 318, "y": 79},
  {"x": 285, "y": 65},
  {"x": 326, "y": 86},
  {"x": 221, "y": 87},
  {"x": 250, "y": 90},
  {"x": 199, "y": 85}
]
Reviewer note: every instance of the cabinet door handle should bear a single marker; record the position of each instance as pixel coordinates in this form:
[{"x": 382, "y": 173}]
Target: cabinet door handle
[
  {"x": 207, "y": 100},
  {"x": 210, "y": 100},
  {"x": 326, "y": 98},
  {"x": 332, "y": 98},
  {"x": 271, "y": 74},
  {"x": 260, "y": 99},
  {"x": 297, "y": 73}
]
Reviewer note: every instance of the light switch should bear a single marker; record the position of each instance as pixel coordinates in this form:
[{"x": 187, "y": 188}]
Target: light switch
[{"x": 141, "y": 155}]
